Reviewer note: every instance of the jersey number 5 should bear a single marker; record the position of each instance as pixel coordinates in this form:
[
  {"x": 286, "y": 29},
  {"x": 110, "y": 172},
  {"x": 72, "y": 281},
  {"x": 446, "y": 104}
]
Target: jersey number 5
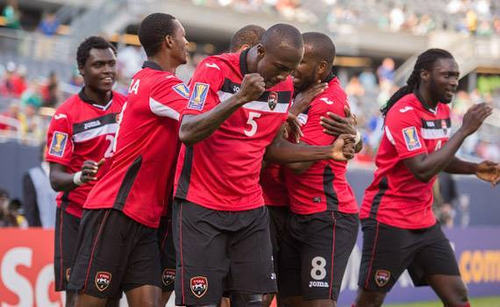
[{"x": 253, "y": 124}]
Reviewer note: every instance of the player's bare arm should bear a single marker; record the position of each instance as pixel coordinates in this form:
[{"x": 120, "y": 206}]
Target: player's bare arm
[
  {"x": 488, "y": 171},
  {"x": 336, "y": 125},
  {"x": 282, "y": 151},
  {"x": 61, "y": 180},
  {"x": 426, "y": 166},
  {"x": 195, "y": 128}
]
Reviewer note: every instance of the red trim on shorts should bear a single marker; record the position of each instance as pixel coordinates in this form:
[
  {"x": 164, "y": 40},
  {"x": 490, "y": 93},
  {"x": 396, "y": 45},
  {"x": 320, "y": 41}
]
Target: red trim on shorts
[
  {"x": 93, "y": 248},
  {"x": 333, "y": 253},
  {"x": 372, "y": 257},
  {"x": 61, "y": 265},
  {"x": 182, "y": 259}
]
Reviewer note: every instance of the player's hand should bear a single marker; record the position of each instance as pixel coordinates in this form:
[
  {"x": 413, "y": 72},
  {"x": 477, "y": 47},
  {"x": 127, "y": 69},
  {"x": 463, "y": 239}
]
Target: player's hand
[
  {"x": 343, "y": 148},
  {"x": 304, "y": 98},
  {"x": 336, "y": 125},
  {"x": 292, "y": 130},
  {"x": 489, "y": 171},
  {"x": 252, "y": 87},
  {"x": 89, "y": 170},
  {"x": 475, "y": 117}
]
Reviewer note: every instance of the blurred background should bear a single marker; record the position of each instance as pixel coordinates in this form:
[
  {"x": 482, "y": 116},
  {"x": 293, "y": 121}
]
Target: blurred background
[{"x": 377, "y": 43}]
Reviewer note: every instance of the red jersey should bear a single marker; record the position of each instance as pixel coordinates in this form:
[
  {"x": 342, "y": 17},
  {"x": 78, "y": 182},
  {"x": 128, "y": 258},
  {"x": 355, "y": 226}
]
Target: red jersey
[
  {"x": 222, "y": 171},
  {"x": 272, "y": 181},
  {"x": 396, "y": 197},
  {"x": 81, "y": 130},
  {"x": 323, "y": 186},
  {"x": 140, "y": 179}
]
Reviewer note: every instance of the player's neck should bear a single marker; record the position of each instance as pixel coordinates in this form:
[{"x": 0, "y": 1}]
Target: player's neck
[
  {"x": 252, "y": 60},
  {"x": 426, "y": 98},
  {"x": 97, "y": 97},
  {"x": 166, "y": 63}
]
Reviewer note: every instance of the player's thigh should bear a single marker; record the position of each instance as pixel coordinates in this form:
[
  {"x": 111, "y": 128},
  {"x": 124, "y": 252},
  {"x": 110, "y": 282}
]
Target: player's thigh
[
  {"x": 202, "y": 260},
  {"x": 250, "y": 253},
  {"x": 144, "y": 296},
  {"x": 387, "y": 252},
  {"x": 289, "y": 281},
  {"x": 143, "y": 262},
  {"x": 106, "y": 238},
  {"x": 318, "y": 256},
  {"x": 167, "y": 254},
  {"x": 66, "y": 230}
]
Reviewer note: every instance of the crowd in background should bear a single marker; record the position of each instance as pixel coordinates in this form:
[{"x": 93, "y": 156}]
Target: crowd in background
[
  {"x": 29, "y": 97},
  {"x": 479, "y": 17}
]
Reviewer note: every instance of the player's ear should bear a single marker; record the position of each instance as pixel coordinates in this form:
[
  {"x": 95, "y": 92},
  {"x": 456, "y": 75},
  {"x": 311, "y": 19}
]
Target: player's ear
[
  {"x": 425, "y": 75},
  {"x": 322, "y": 67},
  {"x": 169, "y": 41},
  {"x": 80, "y": 70},
  {"x": 260, "y": 51}
]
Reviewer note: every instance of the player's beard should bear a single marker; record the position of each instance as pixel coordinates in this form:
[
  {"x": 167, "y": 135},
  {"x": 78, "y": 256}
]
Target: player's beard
[
  {"x": 307, "y": 81},
  {"x": 442, "y": 98}
]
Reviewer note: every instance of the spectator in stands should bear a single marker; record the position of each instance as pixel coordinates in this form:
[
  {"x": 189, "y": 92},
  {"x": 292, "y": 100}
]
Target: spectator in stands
[
  {"x": 49, "y": 24},
  {"x": 386, "y": 70},
  {"x": 10, "y": 119},
  {"x": 50, "y": 91},
  {"x": 9, "y": 211},
  {"x": 38, "y": 196},
  {"x": 12, "y": 15}
]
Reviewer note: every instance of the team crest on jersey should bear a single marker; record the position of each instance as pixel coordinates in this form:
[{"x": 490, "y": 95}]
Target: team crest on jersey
[
  {"x": 102, "y": 280},
  {"x": 199, "y": 286},
  {"x": 182, "y": 90},
  {"x": 198, "y": 96},
  {"x": 382, "y": 277},
  {"x": 411, "y": 138},
  {"x": 272, "y": 100},
  {"x": 168, "y": 277},
  {"x": 58, "y": 144}
]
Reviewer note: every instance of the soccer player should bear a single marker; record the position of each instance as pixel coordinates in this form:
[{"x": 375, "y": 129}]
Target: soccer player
[
  {"x": 245, "y": 38},
  {"x": 399, "y": 229},
  {"x": 323, "y": 223},
  {"x": 237, "y": 105},
  {"x": 117, "y": 240},
  {"x": 81, "y": 134}
]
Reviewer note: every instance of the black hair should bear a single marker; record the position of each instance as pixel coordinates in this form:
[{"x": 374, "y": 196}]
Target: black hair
[
  {"x": 324, "y": 49},
  {"x": 153, "y": 29},
  {"x": 281, "y": 35},
  {"x": 250, "y": 35},
  {"x": 425, "y": 61},
  {"x": 93, "y": 42}
]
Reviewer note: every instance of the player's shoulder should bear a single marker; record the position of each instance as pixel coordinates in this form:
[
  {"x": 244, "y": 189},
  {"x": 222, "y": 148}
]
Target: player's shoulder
[
  {"x": 220, "y": 62},
  {"x": 119, "y": 98},
  {"x": 69, "y": 106},
  {"x": 407, "y": 107}
]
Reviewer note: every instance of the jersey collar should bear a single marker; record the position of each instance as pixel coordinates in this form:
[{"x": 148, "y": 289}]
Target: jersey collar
[
  {"x": 243, "y": 62},
  {"x": 87, "y": 99},
  {"x": 152, "y": 65},
  {"x": 424, "y": 104}
]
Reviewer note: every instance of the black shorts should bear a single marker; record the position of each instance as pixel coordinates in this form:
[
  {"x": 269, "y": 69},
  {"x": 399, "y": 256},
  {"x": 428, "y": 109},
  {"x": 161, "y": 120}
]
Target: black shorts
[
  {"x": 167, "y": 254},
  {"x": 278, "y": 216},
  {"x": 114, "y": 254},
  {"x": 388, "y": 251},
  {"x": 314, "y": 254},
  {"x": 66, "y": 232},
  {"x": 221, "y": 250}
]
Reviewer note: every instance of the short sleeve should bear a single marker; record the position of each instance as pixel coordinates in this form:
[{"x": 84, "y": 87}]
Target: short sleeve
[
  {"x": 403, "y": 130},
  {"x": 312, "y": 130},
  {"x": 168, "y": 98},
  {"x": 59, "y": 140},
  {"x": 204, "y": 86}
]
